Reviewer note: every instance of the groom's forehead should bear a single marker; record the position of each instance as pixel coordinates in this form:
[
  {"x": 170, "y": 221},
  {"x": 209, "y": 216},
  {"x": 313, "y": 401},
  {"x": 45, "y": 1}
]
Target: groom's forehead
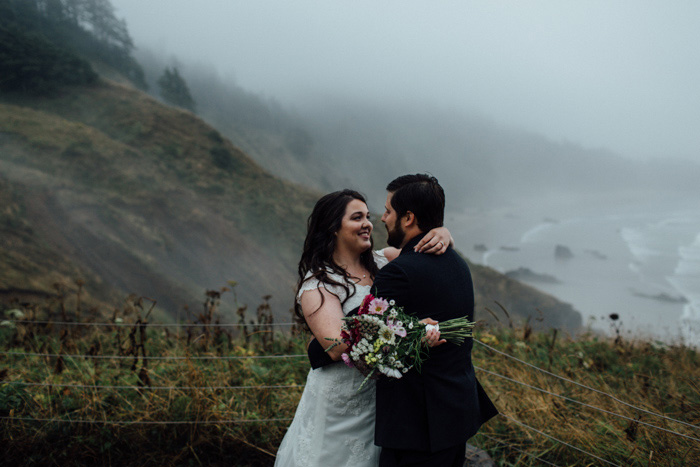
[{"x": 389, "y": 195}]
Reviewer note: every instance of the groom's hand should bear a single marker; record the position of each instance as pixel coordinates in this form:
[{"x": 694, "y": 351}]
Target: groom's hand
[{"x": 432, "y": 336}]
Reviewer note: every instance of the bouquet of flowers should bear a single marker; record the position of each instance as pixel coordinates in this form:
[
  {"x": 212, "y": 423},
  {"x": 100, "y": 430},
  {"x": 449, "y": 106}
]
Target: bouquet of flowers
[{"x": 383, "y": 340}]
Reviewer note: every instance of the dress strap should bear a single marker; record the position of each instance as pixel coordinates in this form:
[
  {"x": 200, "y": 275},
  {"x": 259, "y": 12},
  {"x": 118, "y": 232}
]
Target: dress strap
[{"x": 311, "y": 283}]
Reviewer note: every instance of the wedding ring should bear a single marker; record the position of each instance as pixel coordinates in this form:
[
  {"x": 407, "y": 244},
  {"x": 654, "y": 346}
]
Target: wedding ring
[{"x": 441, "y": 244}]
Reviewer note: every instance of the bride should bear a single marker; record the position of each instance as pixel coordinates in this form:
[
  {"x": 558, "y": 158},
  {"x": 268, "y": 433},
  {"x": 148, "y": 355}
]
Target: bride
[{"x": 334, "y": 423}]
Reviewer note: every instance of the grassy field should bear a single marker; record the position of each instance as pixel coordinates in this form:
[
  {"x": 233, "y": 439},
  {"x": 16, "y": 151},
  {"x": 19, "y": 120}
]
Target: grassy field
[{"x": 202, "y": 394}]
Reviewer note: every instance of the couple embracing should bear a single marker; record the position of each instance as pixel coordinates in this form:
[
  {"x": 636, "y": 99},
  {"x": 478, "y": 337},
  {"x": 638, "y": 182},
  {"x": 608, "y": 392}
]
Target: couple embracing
[{"x": 424, "y": 418}]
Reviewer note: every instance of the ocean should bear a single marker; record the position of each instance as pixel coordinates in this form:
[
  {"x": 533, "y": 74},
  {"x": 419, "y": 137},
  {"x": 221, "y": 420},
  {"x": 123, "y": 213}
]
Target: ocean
[{"x": 634, "y": 256}]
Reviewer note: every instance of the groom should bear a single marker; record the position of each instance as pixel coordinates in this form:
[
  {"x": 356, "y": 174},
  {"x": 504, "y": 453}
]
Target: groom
[{"x": 426, "y": 418}]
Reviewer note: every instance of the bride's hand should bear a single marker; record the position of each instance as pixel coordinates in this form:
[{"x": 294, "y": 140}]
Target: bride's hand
[{"x": 435, "y": 242}]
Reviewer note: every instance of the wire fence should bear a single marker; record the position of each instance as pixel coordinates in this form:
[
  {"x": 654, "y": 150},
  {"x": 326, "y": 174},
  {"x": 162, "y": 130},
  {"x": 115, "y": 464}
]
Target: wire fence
[
  {"x": 564, "y": 443},
  {"x": 511, "y": 419},
  {"x": 568, "y": 399},
  {"x": 598, "y": 391}
]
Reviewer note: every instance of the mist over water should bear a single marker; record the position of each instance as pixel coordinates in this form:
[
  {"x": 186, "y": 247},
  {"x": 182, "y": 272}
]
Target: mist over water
[
  {"x": 633, "y": 258},
  {"x": 547, "y": 124}
]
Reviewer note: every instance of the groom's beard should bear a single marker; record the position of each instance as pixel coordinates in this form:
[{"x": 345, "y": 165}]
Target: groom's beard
[{"x": 395, "y": 236}]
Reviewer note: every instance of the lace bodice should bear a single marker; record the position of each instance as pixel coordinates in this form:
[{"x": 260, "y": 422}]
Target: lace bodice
[{"x": 355, "y": 299}]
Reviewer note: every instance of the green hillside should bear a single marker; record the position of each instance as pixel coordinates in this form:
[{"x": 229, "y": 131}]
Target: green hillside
[
  {"x": 106, "y": 183},
  {"x": 144, "y": 197}
]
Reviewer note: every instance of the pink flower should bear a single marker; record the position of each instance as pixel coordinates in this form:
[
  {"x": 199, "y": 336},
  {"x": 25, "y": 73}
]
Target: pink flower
[
  {"x": 347, "y": 360},
  {"x": 378, "y": 306}
]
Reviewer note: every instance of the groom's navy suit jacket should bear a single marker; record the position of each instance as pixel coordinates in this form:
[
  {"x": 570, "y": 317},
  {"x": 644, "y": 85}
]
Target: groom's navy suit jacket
[{"x": 443, "y": 405}]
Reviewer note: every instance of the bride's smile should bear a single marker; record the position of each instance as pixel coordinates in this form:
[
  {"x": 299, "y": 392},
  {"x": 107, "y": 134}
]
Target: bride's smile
[{"x": 356, "y": 228}]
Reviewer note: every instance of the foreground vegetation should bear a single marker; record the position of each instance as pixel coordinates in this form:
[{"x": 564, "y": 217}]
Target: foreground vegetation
[{"x": 200, "y": 394}]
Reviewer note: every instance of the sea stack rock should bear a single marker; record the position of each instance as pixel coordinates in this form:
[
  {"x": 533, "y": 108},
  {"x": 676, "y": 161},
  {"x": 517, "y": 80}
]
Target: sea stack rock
[
  {"x": 528, "y": 275},
  {"x": 562, "y": 252}
]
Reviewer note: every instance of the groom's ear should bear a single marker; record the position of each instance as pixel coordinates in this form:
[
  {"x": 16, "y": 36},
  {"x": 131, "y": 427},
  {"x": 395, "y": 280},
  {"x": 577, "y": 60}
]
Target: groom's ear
[{"x": 409, "y": 219}]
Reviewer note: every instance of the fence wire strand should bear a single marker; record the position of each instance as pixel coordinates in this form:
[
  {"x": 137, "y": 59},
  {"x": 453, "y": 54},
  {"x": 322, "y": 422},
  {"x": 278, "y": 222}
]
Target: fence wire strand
[
  {"x": 131, "y": 357},
  {"x": 166, "y": 388},
  {"x": 154, "y": 325},
  {"x": 148, "y": 422}
]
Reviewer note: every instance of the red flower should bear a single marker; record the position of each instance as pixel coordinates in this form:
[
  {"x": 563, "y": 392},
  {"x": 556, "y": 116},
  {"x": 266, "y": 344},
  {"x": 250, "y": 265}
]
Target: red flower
[{"x": 364, "y": 308}]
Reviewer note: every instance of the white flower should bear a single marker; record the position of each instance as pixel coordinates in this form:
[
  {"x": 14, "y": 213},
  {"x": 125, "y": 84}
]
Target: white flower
[
  {"x": 387, "y": 334},
  {"x": 14, "y": 313},
  {"x": 410, "y": 325},
  {"x": 391, "y": 372},
  {"x": 392, "y": 302}
]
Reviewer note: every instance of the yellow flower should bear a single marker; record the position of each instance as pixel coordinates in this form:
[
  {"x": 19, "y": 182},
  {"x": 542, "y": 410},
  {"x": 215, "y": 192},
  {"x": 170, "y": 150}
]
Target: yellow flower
[{"x": 488, "y": 339}]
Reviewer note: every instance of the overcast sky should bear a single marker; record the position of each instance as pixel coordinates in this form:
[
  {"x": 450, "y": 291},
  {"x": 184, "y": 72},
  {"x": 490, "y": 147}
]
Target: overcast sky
[{"x": 623, "y": 75}]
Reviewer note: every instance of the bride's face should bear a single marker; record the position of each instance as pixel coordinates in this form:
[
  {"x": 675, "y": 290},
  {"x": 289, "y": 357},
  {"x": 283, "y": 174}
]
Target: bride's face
[{"x": 356, "y": 228}]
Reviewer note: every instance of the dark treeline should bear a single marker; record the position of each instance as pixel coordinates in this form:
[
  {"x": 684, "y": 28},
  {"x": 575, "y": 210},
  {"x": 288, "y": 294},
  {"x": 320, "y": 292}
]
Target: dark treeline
[
  {"x": 274, "y": 135},
  {"x": 174, "y": 90},
  {"x": 46, "y": 43}
]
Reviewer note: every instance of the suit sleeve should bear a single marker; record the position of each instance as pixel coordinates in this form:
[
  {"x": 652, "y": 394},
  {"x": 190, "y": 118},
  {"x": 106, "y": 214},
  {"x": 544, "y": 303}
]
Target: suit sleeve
[{"x": 318, "y": 357}]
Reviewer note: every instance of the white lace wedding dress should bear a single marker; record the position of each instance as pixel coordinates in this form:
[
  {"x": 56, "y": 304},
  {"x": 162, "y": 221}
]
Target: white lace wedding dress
[{"x": 334, "y": 423}]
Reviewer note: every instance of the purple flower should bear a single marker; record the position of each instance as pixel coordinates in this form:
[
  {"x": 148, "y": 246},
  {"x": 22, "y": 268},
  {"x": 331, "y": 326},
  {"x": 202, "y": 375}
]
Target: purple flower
[{"x": 398, "y": 328}]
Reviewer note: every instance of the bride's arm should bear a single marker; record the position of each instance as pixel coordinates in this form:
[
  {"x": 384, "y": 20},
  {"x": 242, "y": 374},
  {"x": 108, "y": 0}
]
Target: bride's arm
[
  {"x": 430, "y": 244},
  {"x": 324, "y": 320}
]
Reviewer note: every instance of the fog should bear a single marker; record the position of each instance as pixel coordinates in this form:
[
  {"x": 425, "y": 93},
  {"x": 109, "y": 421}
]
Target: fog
[
  {"x": 617, "y": 75},
  {"x": 547, "y": 122}
]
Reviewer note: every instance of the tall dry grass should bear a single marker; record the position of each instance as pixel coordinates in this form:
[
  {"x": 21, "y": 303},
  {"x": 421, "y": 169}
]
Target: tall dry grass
[
  {"x": 652, "y": 376},
  {"x": 145, "y": 408}
]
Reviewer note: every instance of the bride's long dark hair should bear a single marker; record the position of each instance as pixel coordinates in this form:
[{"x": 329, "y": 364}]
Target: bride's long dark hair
[{"x": 325, "y": 220}]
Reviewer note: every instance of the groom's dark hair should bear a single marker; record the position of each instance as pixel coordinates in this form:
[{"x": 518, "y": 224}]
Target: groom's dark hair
[{"x": 422, "y": 195}]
